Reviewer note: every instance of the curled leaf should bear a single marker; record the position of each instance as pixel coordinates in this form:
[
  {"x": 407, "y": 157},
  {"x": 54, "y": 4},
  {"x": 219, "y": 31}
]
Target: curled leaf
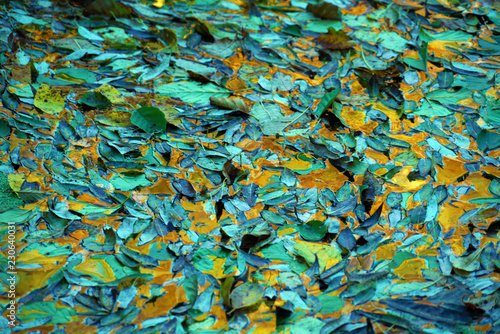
[{"x": 230, "y": 103}]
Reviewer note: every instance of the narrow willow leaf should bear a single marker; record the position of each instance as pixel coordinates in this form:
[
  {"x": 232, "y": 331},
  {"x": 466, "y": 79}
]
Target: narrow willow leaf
[{"x": 326, "y": 102}]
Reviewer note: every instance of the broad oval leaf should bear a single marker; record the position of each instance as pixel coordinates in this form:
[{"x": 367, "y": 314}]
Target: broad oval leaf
[
  {"x": 48, "y": 100},
  {"x": 149, "y": 119},
  {"x": 247, "y": 294}
]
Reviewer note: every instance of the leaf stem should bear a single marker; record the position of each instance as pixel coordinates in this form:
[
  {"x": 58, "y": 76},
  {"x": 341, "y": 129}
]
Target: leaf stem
[{"x": 363, "y": 55}]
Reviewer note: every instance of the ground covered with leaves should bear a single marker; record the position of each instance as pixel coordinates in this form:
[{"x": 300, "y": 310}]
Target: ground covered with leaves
[{"x": 224, "y": 166}]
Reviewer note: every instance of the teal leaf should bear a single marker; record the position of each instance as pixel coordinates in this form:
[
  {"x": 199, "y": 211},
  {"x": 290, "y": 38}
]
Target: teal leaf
[
  {"x": 193, "y": 92},
  {"x": 488, "y": 140},
  {"x": 314, "y": 230}
]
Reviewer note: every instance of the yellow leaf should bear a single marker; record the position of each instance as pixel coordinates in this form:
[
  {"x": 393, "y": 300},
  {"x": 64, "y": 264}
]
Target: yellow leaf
[
  {"x": 354, "y": 118},
  {"x": 402, "y": 180},
  {"x": 411, "y": 269},
  {"x": 16, "y": 181},
  {"x": 328, "y": 256},
  {"x": 386, "y": 252},
  {"x": 98, "y": 268},
  {"x": 171, "y": 116},
  {"x": 159, "y": 3},
  {"x": 392, "y": 114},
  {"x": 114, "y": 118},
  {"x": 48, "y": 100},
  {"x": 111, "y": 93}
]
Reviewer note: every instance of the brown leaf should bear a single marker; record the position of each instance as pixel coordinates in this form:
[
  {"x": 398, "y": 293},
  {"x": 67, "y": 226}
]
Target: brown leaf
[
  {"x": 236, "y": 84},
  {"x": 391, "y": 72},
  {"x": 107, "y": 8},
  {"x": 230, "y": 172},
  {"x": 325, "y": 11},
  {"x": 335, "y": 40},
  {"x": 203, "y": 28},
  {"x": 230, "y": 103},
  {"x": 198, "y": 77}
]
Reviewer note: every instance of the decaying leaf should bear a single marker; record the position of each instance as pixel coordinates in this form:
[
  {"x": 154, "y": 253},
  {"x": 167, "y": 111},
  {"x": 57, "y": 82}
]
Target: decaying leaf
[
  {"x": 107, "y": 8},
  {"x": 230, "y": 103},
  {"x": 335, "y": 40},
  {"x": 247, "y": 294},
  {"x": 49, "y": 100},
  {"x": 325, "y": 11}
]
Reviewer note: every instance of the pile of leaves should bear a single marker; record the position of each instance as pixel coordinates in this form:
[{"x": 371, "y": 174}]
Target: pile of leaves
[{"x": 227, "y": 166}]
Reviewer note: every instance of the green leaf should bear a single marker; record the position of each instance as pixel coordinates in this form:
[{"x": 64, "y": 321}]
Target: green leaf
[
  {"x": 77, "y": 75},
  {"x": 388, "y": 39},
  {"x": 485, "y": 200},
  {"x": 325, "y": 11},
  {"x": 149, "y": 119},
  {"x": 488, "y": 140},
  {"x": 106, "y": 8},
  {"x": 469, "y": 262},
  {"x": 95, "y": 100},
  {"x": 432, "y": 109},
  {"x": 407, "y": 158},
  {"x": 193, "y": 92},
  {"x": 307, "y": 325},
  {"x": 452, "y": 35},
  {"x": 190, "y": 285},
  {"x": 326, "y": 102},
  {"x": 314, "y": 230},
  {"x": 84, "y": 32},
  {"x": 330, "y": 304},
  {"x": 129, "y": 182},
  {"x": 449, "y": 97},
  {"x": 170, "y": 38},
  {"x": 269, "y": 117},
  {"x": 8, "y": 198},
  {"x": 494, "y": 187},
  {"x": 323, "y": 25},
  {"x": 225, "y": 290}
]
